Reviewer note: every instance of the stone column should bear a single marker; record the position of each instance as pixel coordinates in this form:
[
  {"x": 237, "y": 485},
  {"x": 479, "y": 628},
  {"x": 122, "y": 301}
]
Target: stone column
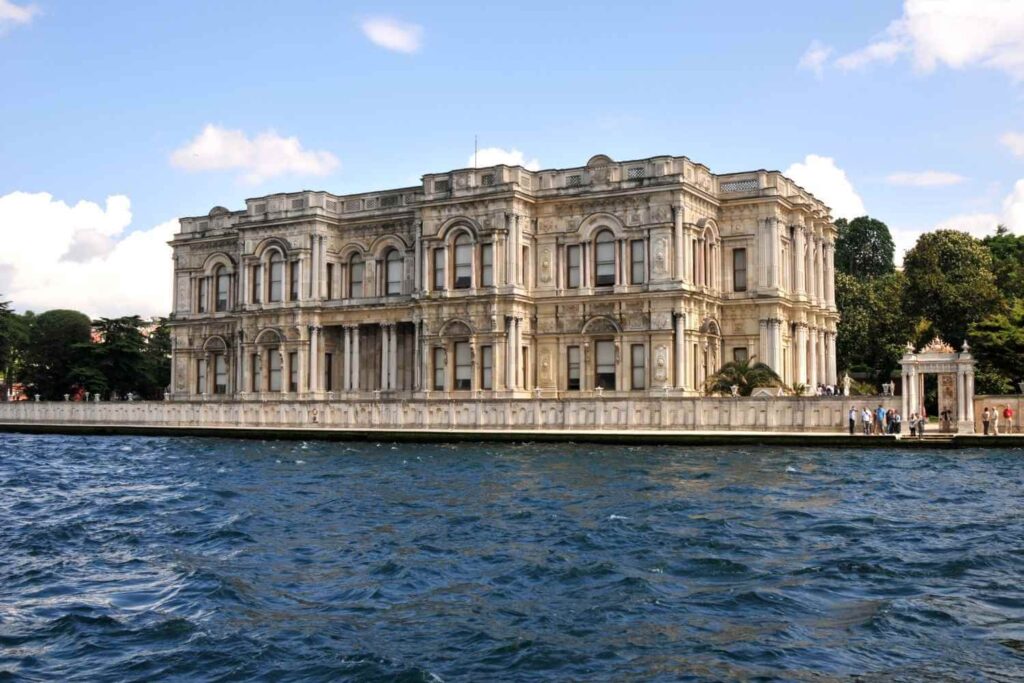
[
  {"x": 680, "y": 250},
  {"x": 417, "y": 282},
  {"x": 798, "y": 260},
  {"x": 680, "y": 351},
  {"x": 812, "y": 361},
  {"x": 912, "y": 398},
  {"x": 762, "y": 341},
  {"x": 384, "y": 356},
  {"x": 830, "y": 274},
  {"x": 314, "y": 263},
  {"x": 314, "y": 358},
  {"x": 239, "y": 365},
  {"x": 355, "y": 358},
  {"x": 393, "y": 357},
  {"x": 346, "y": 358},
  {"x": 517, "y": 352},
  {"x": 831, "y": 370},
  {"x": 510, "y": 356},
  {"x": 969, "y": 396},
  {"x": 417, "y": 356},
  {"x": 905, "y": 399},
  {"x": 961, "y": 386},
  {"x": 621, "y": 276}
]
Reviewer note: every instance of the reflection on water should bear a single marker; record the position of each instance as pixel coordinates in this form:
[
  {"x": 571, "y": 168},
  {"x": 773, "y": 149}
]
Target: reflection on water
[{"x": 143, "y": 558}]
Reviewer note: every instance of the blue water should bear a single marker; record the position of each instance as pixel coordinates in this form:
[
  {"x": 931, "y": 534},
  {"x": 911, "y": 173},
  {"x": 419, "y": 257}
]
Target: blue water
[{"x": 126, "y": 558}]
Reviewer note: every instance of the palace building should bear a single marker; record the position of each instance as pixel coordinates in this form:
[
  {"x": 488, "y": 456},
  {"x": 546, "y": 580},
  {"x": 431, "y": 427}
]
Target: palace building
[{"x": 615, "y": 279}]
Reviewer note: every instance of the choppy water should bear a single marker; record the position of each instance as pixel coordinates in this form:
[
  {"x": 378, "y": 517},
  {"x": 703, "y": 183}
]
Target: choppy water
[{"x": 151, "y": 558}]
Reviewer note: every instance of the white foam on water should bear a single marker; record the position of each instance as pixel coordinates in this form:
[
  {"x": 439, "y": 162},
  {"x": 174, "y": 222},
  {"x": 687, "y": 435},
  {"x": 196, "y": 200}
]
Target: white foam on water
[
  {"x": 617, "y": 517},
  {"x": 300, "y": 462}
]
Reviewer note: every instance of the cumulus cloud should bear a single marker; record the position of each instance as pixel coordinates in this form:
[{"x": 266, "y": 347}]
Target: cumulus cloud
[
  {"x": 492, "y": 156},
  {"x": 265, "y": 156},
  {"x": 57, "y": 255},
  {"x": 1013, "y": 142},
  {"x": 925, "y": 179},
  {"x": 821, "y": 177},
  {"x": 12, "y": 14},
  {"x": 815, "y": 57},
  {"x": 954, "y": 33},
  {"x": 393, "y": 35}
]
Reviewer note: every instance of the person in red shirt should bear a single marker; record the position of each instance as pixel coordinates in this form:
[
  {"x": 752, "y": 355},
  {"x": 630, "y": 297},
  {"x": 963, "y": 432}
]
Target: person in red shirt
[{"x": 1008, "y": 416}]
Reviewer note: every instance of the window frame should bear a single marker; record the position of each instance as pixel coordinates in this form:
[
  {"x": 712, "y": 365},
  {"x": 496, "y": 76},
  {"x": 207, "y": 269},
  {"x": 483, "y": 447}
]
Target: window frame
[
  {"x": 604, "y": 380},
  {"x": 463, "y": 353},
  {"x": 356, "y": 264},
  {"x": 439, "y": 270},
  {"x": 637, "y": 262},
  {"x": 573, "y": 266},
  {"x": 201, "y": 376},
  {"x": 294, "y": 280},
  {"x": 257, "y": 283},
  {"x": 638, "y": 366},
  {"x": 293, "y": 372},
  {"x": 462, "y": 260},
  {"x": 487, "y": 367},
  {"x": 274, "y": 370},
  {"x": 604, "y": 241},
  {"x": 220, "y": 370},
  {"x": 487, "y": 265},
  {"x": 570, "y": 364},
  {"x": 393, "y": 259},
  {"x": 275, "y": 278},
  {"x": 222, "y": 278},
  {"x": 439, "y": 361},
  {"x": 739, "y": 253},
  {"x": 202, "y": 295}
]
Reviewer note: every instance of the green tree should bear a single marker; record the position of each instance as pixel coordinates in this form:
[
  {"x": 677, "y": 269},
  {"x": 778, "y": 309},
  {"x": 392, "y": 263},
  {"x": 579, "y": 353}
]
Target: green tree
[
  {"x": 120, "y": 354},
  {"x": 999, "y": 342},
  {"x": 158, "y": 359},
  {"x": 864, "y": 247},
  {"x": 13, "y": 341},
  {"x": 949, "y": 282},
  {"x": 745, "y": 374},
  {"x": 1007, "y": 252},
  {"x": 873, "y": 329},
  {"x": 58, "y": 342}
]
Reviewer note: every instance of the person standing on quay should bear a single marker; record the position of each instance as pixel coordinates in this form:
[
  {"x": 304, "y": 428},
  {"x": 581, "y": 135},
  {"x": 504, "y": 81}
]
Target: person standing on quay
[
  {"x": 986, "y": 417},
  {"x": 880, "y": 420},
  {"x": 853, "y": 420},
  {"x": 897, "y": 422},
  {"x": 1008, "y": 416},
  {"x": 913, "y": 424},
  {"x": 865, "y": 417}
]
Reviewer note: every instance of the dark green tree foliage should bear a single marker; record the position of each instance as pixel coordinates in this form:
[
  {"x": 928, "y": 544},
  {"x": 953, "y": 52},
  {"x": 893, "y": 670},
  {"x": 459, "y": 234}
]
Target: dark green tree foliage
[
  {"x": 873, "y": 329},
  {"x": 746, "y": 374},
  {"x": 949, "y": 282},
  {"x": 58, "y": 342},
  {"x": 999, "y": 342},
  {"x": 864, "y": 247},
  {"x": 128, "y": 361},
  {"x": 13, "y": 340},
  {"x": 158, "y": 360},
  {"x": 1007, "y": 252}
]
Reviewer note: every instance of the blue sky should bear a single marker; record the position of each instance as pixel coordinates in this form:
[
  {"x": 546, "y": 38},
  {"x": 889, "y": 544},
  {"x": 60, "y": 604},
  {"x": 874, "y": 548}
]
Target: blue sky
[{"x": 99, "y": 96}]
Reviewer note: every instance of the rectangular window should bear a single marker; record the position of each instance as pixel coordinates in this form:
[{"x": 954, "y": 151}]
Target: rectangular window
[
  {"x": 257, "y": 372},
  {"x": 220, "y": 374},
  {"x": 739, "y": 354},
  {"x": 328, "y": 375},
  {"x": 257, "y": 284},
  {"x": 526, "y": 267},
  {"x": 203, "y": 294},
  {"x": 394, "y": 273},
  {"x": 276, "y": 280},
  {"x": 573, "y": 362},
  {"x": 638, "y": 365},
  {"x": 439, "y": 369},
  {"x": 604, "y": 260},
  {"x": 463, "y": 366},
  {"x": 439, "y": 269},
  {"x": 487, "y": 265},
  {"x": 637, "y": 261},
  {"x": 739, "y": 270},
  {"x": 293, "y": 277},
  {"x": 573, "y": 180},
  {"x": 463, "y": 266},
  {"x": 604, "y": 365},
  {"x": 274, "y": 371},
  {"x": 293, "y": 371},
  {"x": 486, "y": 367},
  {"x": 356, "y": 280},
  {"x": 572, "y": 262},
  {"x": 330, "y": 281},
  {"x": 223, "y": 282},
  {"x": 201, "y": 376},
  {"x": 635, "y": 173}
]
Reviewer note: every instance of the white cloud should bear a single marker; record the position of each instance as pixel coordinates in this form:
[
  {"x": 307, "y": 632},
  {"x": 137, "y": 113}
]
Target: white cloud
[
  {"x": 263, "y": 157},
  {"x": 15, "y": 15},
  {"x": 116, "y": 274},
  {"x": 821, "y": 177},
  {"x": 492, "y": 156},
  {"x": 925, "y": 179},
  {"x": 393, "y": 35},
  {"x": 1014, "y": 142},
  {"x": 954, "y": 33},
  {"x": 814, "y": 58}
]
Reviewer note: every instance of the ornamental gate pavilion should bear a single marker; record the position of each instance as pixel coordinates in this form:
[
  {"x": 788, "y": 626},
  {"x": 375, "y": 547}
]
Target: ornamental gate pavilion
[{"x": 956, "y": 380}]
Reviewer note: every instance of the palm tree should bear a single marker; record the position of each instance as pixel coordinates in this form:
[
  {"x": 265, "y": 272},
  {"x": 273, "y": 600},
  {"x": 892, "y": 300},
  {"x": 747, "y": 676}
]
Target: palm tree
[{"x": 744, "y": 374}]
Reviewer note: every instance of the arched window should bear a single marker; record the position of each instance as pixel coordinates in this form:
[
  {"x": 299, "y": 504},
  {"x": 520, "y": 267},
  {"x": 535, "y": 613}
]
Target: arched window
[
  {"x": 355, "y": 277},
  {"x": 393, "y": 272},
  {"x": 604, "y": 259},
  {"x": 276, "y": 276},
  {"x": 463, "y": 262},
  {"x": 223, "y": 280}
]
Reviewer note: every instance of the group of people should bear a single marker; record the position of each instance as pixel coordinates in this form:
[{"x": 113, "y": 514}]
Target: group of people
[
  {"x": 886, "y": 421},
  {"x": 995, "y": 419},
  {"x": 826, "y": 390}
]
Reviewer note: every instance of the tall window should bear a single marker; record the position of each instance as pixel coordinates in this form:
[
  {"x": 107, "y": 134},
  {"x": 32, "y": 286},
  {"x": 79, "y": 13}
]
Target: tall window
[
  {"x": 257, "y": 283},
  {"x": 487, "y": 265},
  {"x": 439, "y": 269},
  {"x": 293, "y": 279},
  {"x": 463, "y": 262},
  {"x": 201, "y": 376},
  {"x": 355, "y": 277},
  {"x": 328, "y": 375},
  {"x": 604, "y": 365},
  {"x": 394, "y": 273},
  {"x": 276, "y": 277},
  {"x": 572, "y": 263},
  {"x": 573, "y": 363},
  {"x": 638, "y": 366},
  {"x": 274, "y": 371},
  {"x": 739, "y": 354},
  {"x": 637, "y": 262},
  {"x": 257, "y": 372},
  {"x": 220, "y": 374},
  {"x": 439, "y": 369},
  {"x": 330, "y": 281},
  {"x": 486, "y": 367},
  {"x": 739, "y": 270},
  {"x": 524, "y": 277},
  {"x": 604, "y": 260},
  {"x": 223, "y": 284},
  {"x": 203, "y": 294},
  {"x": 463, "y": 366},
  {"x": 293, "y": 371}
]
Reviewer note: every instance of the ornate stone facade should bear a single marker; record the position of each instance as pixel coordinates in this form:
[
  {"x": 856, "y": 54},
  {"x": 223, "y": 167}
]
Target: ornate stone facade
[{"x": 613, "y": 279}]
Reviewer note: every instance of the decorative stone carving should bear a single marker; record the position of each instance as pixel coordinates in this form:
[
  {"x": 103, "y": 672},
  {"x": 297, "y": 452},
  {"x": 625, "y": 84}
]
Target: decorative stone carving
[
  {"x": 661, "y": 363},
  {"x": 661, "y": 256},
  {"x": 545, "y": 265},
  {"x": 937, "y": 345},
  {"x": 545, "y": 367}
]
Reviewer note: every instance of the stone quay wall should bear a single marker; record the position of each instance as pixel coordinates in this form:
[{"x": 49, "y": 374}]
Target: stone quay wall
[
  {"x": 996, "y": 402},
  {"x": 765, "y": 414}
]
